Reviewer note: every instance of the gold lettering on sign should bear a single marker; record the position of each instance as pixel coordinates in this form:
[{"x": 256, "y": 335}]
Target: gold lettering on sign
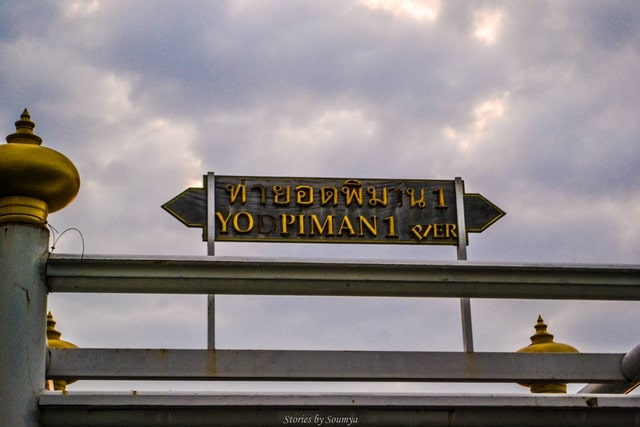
[
  {"x": 327, "y": 226},
  {"x": 417, "y": 231},
  {"x": 304, "y": 195},
  {"x": 334, "y": 210},
  {"x": 374, "y": 200},
  {"x": 352, "y": 190},
  {"x": 234, "y": 192},
  {"x": 391, "y": 226},
  {"x": 328, "y": 195},
  {"x": 440, "y": 193},
  {"x": 281, "y": 195},
  {"x": 436, "y": 231},
  {"x": 371, "y": 226},
  {"x": 421, "y": 202},
  {"x": 346, "y": 225},
  {"x": 285, "y": 221},
  {"x": 248, "y": 222},
  {"x": 223, "y": 222}
]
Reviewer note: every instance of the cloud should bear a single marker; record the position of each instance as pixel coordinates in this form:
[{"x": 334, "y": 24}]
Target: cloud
[
  {"x": 487, "y": 26},
  {"x": 476, "y": 131},
  {"x": 81, "y": 9},
  {"x": 420, "y": 10}
]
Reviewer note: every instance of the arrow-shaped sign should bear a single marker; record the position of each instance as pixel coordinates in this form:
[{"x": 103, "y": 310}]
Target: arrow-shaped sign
[
  {"x": 332, "y": 210},
  {"x": 189, "y": 207},
  {"x": 480, "y": 213}
]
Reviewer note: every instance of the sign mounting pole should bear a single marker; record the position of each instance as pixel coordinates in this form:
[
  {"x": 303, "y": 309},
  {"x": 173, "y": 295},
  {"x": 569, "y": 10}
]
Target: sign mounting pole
[
  {"x": 211, "y": 237},
  {"x": 465, "y": 303}
]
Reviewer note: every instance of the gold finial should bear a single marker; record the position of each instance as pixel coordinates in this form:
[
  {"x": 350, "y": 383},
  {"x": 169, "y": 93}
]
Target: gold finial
[
  {"x": 542, "y": 342},
  {"x": 541, "y": 336},
  {"x": 35, "y": 180},
  {"x": 54, "y": 341},
  {"x": 24, "y": 131}
]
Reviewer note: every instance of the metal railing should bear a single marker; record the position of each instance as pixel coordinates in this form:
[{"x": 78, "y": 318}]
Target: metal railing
[{"x": 208, "y": 275}]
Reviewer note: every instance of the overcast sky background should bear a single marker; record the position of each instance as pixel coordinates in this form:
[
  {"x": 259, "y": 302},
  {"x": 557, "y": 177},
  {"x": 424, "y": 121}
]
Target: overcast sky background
[{"x": 534, "y": 104}]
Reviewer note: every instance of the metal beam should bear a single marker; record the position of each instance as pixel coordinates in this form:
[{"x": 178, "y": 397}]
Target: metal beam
[
  {"x": 219, "y": 275},
  {"x": 257, "y": 365},
  {"x": 630, "y": 367},
  {"x": 269, "y": 409}
]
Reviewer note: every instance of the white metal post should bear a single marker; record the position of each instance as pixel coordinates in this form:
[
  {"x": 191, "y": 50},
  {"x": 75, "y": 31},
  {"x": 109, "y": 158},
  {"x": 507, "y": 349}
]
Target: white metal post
[
  {"x": 465, "y": 303},
  {"x": 211, "y": 238},
  {"x": 23, "y": 301}
]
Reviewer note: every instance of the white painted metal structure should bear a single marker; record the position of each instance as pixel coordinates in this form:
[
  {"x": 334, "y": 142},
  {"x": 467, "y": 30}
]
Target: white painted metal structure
[
  {"x": 465, "y": 303},
  {"x": 28, "y": 272},
  {"x": 160, "y": 410},
  {"x": 215, "y": 275},
  {"x": 265, "y": 276},
  {"x": 289, "y": 365},
  {"x": 23, "y": 316}
]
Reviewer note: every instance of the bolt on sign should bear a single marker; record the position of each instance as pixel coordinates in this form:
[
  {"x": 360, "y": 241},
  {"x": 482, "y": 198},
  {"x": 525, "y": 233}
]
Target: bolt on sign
[{"x": 331, "y": 210}]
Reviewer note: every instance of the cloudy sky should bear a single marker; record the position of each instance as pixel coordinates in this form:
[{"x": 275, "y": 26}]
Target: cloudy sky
[{"x": 534, "y": 104}]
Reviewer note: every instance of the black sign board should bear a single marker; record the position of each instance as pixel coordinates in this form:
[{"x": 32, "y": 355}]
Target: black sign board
[{"x": 331, "y": 210}]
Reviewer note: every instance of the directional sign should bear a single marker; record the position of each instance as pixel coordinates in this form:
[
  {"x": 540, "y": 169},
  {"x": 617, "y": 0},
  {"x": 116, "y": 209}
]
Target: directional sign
[{"x": 331, "y": 210}]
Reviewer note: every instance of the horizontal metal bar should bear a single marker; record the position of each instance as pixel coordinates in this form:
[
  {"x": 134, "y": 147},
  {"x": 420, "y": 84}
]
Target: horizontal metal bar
[
  {"x": 610, "y": 388},
  {"x": 256, "y": 365},
  {"x": 149, "y": 398},
  {"x": 630, "y": 367},
  {"x": 215, "y": 409},
  {"x": 219, "y": 275}
]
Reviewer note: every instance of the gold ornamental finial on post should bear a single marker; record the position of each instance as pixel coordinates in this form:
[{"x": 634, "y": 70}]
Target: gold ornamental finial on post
[
  {"x": 542, "y": 342},
  {"x": 35, "y": 180},
  {"x": 24, "y": 131},
  {"x": 54, "y": 341}
]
